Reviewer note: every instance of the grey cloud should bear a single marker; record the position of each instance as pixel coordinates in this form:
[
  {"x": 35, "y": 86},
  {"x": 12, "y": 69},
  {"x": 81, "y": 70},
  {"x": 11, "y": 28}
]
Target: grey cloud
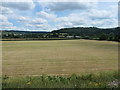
[
  {"x": 119, "y": 14},
  {"x": 60, "y": 6},
  {"x": 19, "y": 5},
  {"x": 5, "y": 10}
]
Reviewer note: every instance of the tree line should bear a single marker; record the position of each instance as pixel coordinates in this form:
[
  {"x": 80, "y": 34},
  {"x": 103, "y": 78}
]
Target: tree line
[
  {"x": 111, "y": 34},
  {"x": 93, "y": 33}
]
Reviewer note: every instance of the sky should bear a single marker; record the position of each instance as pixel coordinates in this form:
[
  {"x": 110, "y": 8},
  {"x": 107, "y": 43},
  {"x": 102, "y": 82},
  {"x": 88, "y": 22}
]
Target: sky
[{"x": 47, "y": 16}]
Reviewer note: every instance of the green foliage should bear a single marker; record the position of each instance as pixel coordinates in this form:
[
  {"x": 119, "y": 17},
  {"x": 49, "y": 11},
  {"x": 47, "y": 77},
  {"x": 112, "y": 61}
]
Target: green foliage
[
  {"x": 92, "y": 33},
  {"x": 111, "y": 34},
  {"x": 103, "y": 36},
  {"x": 98, "y": 80}
]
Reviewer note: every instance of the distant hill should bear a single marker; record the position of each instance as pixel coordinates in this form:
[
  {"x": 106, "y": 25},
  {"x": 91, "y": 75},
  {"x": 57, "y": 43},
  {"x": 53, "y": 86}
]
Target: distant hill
[
  {"x": 93, "y": 33},
  {"x": 18, "y": 31},
  {"x": 88, "y": 31},
  {"x": 74, "y": 31}
]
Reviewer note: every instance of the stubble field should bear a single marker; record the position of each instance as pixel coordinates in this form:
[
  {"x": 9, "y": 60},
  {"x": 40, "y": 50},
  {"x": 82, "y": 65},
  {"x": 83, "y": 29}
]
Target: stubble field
[{"x": 58, "y": 57}]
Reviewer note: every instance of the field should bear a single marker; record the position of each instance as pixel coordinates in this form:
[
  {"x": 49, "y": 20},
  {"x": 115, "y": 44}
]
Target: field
[
  {"x": 58, "y": 57},
  {"x": 60, "y": 64}
]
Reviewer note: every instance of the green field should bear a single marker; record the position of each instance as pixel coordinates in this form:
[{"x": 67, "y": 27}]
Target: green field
[{"x": 58, "y": 57}]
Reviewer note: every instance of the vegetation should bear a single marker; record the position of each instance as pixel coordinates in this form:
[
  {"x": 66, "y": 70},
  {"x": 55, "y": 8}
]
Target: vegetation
[
  {"x": 58, "y": 57},
  {"x": 89, "y": 80},
  {"x": 49, "y": 64},
  {"x": 93, "y": 33}
]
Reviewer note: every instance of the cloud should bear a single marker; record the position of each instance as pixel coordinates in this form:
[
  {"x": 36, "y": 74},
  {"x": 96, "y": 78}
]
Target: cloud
[
  {"x": 105, "y": 23},
  {"x": 23, "y": 19},
  {"x": 5, "y": 24},
  {"x": 94, "y": 17},
  {"x": 46, "y": 15},
  {"x": 19, "y": 5},
  {"x": 14, "y": 28},
  {"x": 119, "y": 14},
  {"x": 38, "y": 27},
  {"x": 8, "y": 26},
  {"x": 64, "y": 25},
  {"x": 43, "y": 27},
  {"x": 5, "y": 10},
  {"x": 38, "y": 21},
  {"x": 99, "y": 14},
  {"x": 3, "y": 18},
  {"x": 4, "y": 21},
  {"x": 61, "y": 6},
  {"x": 38, "y": 24},
  {"x": 56, "y": 15},
  {"x": 90, "y": 16}
]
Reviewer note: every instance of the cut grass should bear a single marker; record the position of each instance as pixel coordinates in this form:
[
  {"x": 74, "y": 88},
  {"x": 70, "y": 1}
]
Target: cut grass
[{"x": 58, "y": 57}]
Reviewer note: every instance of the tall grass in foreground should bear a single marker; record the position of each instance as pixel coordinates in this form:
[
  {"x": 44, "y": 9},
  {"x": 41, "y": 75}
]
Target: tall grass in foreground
[{"x": 97, "y": 80}]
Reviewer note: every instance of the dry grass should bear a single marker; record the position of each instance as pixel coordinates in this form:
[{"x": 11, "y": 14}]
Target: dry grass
[{"x": 62, "y": 57}]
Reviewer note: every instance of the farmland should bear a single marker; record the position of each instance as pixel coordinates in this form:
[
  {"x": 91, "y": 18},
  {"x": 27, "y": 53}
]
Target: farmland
[{"x": 58, "y": 57}]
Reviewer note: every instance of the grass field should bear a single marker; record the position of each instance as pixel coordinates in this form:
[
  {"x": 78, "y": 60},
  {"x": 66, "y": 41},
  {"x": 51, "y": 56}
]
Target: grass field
[{"x": 58, "y": 57}]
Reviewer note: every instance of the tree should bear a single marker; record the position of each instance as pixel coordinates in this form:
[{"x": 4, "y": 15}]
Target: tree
[{"x": 103, "y": 36}]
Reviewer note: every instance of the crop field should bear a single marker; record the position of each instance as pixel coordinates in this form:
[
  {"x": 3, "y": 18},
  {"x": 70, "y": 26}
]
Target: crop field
[
  {"x": 60, "y": 64},
  {"x": 58, "y": 57}
]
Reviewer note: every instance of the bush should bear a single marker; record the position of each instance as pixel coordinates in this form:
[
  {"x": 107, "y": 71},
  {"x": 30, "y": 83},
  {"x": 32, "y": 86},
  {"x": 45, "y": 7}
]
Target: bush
[{"x": 98, "y": 80}]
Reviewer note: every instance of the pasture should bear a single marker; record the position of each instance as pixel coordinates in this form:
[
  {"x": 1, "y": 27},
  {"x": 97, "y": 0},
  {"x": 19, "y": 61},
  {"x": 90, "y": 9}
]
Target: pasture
[{"x": 58, "y": 57}]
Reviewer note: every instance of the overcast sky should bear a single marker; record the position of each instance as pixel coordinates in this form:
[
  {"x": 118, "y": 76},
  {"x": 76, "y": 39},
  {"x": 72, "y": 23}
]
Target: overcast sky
[{"x": 47, "y": 16}]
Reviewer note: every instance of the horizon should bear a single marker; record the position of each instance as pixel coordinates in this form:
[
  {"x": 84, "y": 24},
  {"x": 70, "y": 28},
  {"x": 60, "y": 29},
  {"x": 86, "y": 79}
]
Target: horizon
[
  {"x": 56, "y": 30},
  {"x": 48, "y": 16}
]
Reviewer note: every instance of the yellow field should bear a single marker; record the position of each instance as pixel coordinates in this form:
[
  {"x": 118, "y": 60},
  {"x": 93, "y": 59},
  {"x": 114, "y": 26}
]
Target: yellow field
[{"x": 62, "y": 57}]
